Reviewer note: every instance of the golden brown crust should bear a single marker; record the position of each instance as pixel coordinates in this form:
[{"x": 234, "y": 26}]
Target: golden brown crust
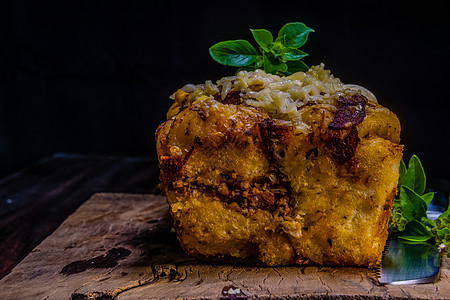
[{"x": 245, "y": 187}]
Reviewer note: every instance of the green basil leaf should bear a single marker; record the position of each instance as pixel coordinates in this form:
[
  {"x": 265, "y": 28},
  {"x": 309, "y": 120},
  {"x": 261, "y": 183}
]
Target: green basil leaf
[
  {"x": 278, "y": 44},
  {"x": 402, "y": 172},
  {"x": 415, "y": 231},
  {"x": 428, "y": 197},
  {"x": 414, "y": 177},
  {"x": 294, "y": 35},
  {"x": 236, "y": 53},
  {"x": 246, "y": 68},
  {"x": 273, "y": 64},
  {"x": 442, "y": 232},
  {"x": 264, "y": 38},
  {"x": 415, "y": 242},
  {"x": 293, "y": 54},
  {"x": 413, "y": 206},
  {"x": 414, "y": 238},
  {"x": 296, "y": 66},
  {"x": 259, "y": 62},
  {"x": 446, "y": 213}
]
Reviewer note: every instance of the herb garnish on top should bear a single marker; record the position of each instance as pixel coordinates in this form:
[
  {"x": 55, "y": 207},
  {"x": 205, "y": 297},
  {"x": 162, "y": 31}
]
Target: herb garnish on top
[{"x": 281, "y": 55}]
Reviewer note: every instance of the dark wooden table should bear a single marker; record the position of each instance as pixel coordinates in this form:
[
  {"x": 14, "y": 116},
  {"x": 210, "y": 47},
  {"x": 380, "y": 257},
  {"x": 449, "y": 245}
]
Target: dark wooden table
[{"x": 34, "y": 201}]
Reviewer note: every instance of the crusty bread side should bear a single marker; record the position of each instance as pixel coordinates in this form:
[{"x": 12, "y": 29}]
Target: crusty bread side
[{"x": 244, "y": 187}]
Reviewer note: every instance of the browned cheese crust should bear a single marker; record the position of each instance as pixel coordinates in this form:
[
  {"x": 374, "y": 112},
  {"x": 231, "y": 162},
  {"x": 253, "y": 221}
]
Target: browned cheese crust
[{"x": 244, "y": 187}]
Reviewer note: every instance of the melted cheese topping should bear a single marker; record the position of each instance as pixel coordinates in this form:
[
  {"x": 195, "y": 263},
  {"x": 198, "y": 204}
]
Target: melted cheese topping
[{"x": 280, "y": 96}]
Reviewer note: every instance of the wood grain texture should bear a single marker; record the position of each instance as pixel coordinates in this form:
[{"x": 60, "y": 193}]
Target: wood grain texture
[
  {"x": 34, "y": 201},
  {"x": 155, "y": 267}
]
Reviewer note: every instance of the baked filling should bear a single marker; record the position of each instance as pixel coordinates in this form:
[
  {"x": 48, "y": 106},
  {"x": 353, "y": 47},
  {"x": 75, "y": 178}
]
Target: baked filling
[{"x": 275, "y": 170}]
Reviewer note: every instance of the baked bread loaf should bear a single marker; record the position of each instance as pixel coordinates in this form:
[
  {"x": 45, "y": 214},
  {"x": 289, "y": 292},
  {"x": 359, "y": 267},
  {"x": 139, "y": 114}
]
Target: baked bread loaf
[{"x": 273, "y": 170}]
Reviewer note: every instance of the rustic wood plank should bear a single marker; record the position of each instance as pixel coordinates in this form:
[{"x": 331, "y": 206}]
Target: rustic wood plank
[
  {"x": 34, "y": 201},
  {"x": 128, "y": 242}
]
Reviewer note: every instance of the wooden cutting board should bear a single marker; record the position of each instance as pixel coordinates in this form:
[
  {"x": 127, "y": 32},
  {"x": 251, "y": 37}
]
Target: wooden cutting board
[{"x": 121, "y": 246}]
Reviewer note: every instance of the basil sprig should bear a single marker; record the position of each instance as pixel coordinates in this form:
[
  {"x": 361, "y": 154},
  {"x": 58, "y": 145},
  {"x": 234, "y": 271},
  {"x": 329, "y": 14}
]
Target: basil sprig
[
  {"x": 281, "y": 55},
  {"x": 409, "y": 215}
]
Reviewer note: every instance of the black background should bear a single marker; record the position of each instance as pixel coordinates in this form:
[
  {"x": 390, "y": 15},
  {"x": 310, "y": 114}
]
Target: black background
[{"x": 95, "y": 76}]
